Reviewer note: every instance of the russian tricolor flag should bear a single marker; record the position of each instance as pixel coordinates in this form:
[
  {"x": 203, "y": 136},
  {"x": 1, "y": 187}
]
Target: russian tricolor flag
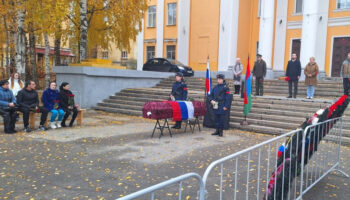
[
  {"x": 182, "y": 110},
  {"x": 208, "y": 79}
]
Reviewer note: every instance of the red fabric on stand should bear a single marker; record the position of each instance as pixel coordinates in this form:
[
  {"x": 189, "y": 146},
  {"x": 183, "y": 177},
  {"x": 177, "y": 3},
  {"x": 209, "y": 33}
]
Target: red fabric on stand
[{"x": 157, "y": 110}]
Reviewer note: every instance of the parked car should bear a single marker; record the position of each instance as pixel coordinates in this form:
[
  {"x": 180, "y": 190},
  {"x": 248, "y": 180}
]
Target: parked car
[{"x": 167, "y": 65}]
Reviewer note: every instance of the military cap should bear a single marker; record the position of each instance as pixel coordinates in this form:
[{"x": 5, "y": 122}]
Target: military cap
[
  {"x": 221, "y": 76},
  {"x": 179, "y": 74}
]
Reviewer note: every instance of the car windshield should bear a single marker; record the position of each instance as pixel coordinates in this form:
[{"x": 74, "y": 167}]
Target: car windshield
[{"x": 175, "y": 62}]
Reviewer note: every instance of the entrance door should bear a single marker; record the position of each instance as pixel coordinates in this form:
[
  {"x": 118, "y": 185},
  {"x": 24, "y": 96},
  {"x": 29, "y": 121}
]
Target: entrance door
[
  {"x": 341, "y": 47},
  {"x": 296, "y": 47}
]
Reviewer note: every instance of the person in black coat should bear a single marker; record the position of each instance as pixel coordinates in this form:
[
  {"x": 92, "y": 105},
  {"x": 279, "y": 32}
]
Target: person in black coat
[
  {"x": 67, "y": 104},
  {"x": 178, "y": 93},
  {"x": 220, "y": 99},
  {"x": 293, "y": 73},
  {"x": 28, "y": 100}
]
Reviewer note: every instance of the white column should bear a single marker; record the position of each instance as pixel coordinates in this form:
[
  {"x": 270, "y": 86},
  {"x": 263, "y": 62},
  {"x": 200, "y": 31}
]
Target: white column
[
  {"x": 266, "y": 30},
  {"x": 140, "y": 48},
  {"x": 228, "y": 34},
  {"x": 183, "y": 31},
  {"x": 309, "y": 32},
  {"x": 160, "y": 28},
  {"x": 321, "y": 40},
  {"x": 280, "y": 37}
]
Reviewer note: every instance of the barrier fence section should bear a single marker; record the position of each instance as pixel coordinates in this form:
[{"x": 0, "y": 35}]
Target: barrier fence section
[
  {"x": 180, "y": 179},
  {"x": 247, "y": 174},
  {"x": 321, "y": 151},
  {"x": 284, "y": 167}
]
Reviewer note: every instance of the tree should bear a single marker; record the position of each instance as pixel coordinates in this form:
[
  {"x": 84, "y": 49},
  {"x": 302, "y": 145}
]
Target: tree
[
  {"x": 83, "y": 30},
  {"x": 108, "y": 21},
  {"x": 20, "y": 39}
]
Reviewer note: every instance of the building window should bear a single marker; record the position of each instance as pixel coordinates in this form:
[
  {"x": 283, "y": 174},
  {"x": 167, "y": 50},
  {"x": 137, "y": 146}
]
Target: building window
[
  {"x": 124, "y": 55},
  {"x": 150, "y": 52},
  {"x": 170, "y": 52},
  {"x": 105, "y": 55},
  {"x": 298, "y": 6},
  {"x": 296, "y": 45},
  {"x": 171, "y": 14},
  {"x": 259, "y": 8},
  {"x": 151, "y": 16},
  {"x": 343, "y": 4}
]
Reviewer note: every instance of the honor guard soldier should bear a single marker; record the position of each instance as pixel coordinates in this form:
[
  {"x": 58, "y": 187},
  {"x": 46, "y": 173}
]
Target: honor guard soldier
[
  {"x": 178, "y": 93},
  {"x": 220, "y": 99}
]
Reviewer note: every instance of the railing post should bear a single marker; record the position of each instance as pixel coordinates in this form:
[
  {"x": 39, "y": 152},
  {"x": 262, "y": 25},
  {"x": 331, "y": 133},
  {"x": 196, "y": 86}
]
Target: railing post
[{"x": 302, "y": 162}]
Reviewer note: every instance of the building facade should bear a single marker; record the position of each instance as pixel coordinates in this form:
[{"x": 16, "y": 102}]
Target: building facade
[{"x": 192, "y": 30}]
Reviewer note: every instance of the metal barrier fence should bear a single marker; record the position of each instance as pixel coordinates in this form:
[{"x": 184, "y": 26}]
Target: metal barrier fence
[
  {"x": 326, "y": 157},
  {"x": 180, "y": 179},
  {"x": 246, "y": 174},
  {"x": 284, "y": 167}
]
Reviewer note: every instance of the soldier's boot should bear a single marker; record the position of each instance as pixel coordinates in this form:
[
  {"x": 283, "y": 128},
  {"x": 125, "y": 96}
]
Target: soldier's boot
[
  {"x": 217, "y": 132},
  {"x": 177, "y": 125},
  {"x": 221, "y": 132}
]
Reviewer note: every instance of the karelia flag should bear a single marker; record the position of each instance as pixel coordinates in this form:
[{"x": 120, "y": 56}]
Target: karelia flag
[
  {"x": 247, "y": 91},
  {"x": 208, "y": 79}
]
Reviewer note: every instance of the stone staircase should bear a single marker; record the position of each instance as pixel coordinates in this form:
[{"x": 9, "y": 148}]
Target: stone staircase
[{"x": 271, "y": 114}]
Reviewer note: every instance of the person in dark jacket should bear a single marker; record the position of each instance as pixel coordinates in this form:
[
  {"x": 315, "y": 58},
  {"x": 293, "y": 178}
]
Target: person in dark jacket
[
  {"x": 67, "y": 104},
  {"x": 51, "y": 99},
  {"x": 259, "y": 72},
  {"x": 28, "y": 101},
  {"x": 178, "y": 93},
  {"x": 345, "y": 74},
  {"x": 293, "y": 73},
  {"x": 219, "y": 98},
  {"x": 7, "y": 107}
]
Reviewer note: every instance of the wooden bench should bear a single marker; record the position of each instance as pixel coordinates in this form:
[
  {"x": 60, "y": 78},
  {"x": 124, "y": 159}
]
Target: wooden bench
[{"x": 32, "y": 116}]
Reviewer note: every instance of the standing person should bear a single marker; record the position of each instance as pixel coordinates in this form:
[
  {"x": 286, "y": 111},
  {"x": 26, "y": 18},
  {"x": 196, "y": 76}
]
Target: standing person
[
  {"x": 293, "y": 73},
  {"x": 178, "y": 93},
  {"x": 345, "y": 74},
  {"x": 259, "y": 72},
  {"x": 15, "y": 83},
  {"x": 51, "y": 99},
  {"x": 7, "y": 107},
  {"x": 220, "y": 99},
  {"x": 28, "y": 100},
  {"x": 237, "y": 70},
  {"x": 67, "y": 104},
  {"x": 311, "y": 71}
]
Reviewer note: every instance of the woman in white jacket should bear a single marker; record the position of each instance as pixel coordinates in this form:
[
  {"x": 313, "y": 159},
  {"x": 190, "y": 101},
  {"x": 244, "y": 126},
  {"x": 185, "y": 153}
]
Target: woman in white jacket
[{"x": 15, "y": 83}]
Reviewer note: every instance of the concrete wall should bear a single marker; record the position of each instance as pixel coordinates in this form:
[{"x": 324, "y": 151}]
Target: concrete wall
[{"x": 92, "y": 85}]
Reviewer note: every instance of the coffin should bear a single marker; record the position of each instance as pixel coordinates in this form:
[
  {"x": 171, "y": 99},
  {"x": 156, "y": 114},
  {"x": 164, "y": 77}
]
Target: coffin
[{"x": 178, "y": 110}]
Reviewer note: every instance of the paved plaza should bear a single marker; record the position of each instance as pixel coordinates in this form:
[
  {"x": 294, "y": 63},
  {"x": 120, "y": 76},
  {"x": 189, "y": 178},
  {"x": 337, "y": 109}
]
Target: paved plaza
[{"x": 113, "y": 155}]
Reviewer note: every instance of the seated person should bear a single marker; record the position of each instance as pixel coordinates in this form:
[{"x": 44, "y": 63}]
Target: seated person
[
  {"x": 7, "y": 107},
  {"x": 67, "y": 104},
  {"x": 50, "y": 99},
  {"x": 28, "y": 100}
]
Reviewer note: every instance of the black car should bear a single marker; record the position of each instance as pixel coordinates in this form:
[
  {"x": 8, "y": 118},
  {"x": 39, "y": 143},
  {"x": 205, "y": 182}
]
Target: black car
[{"x": 167, "y": 65}]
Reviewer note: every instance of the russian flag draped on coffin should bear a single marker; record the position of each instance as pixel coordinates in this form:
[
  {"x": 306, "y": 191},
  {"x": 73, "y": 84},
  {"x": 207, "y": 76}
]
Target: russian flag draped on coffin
[{"x": 178, "y": 110}]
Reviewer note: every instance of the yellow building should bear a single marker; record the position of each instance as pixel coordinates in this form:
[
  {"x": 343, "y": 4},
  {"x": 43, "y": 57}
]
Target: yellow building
[{"x": 192, "y": 30}]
